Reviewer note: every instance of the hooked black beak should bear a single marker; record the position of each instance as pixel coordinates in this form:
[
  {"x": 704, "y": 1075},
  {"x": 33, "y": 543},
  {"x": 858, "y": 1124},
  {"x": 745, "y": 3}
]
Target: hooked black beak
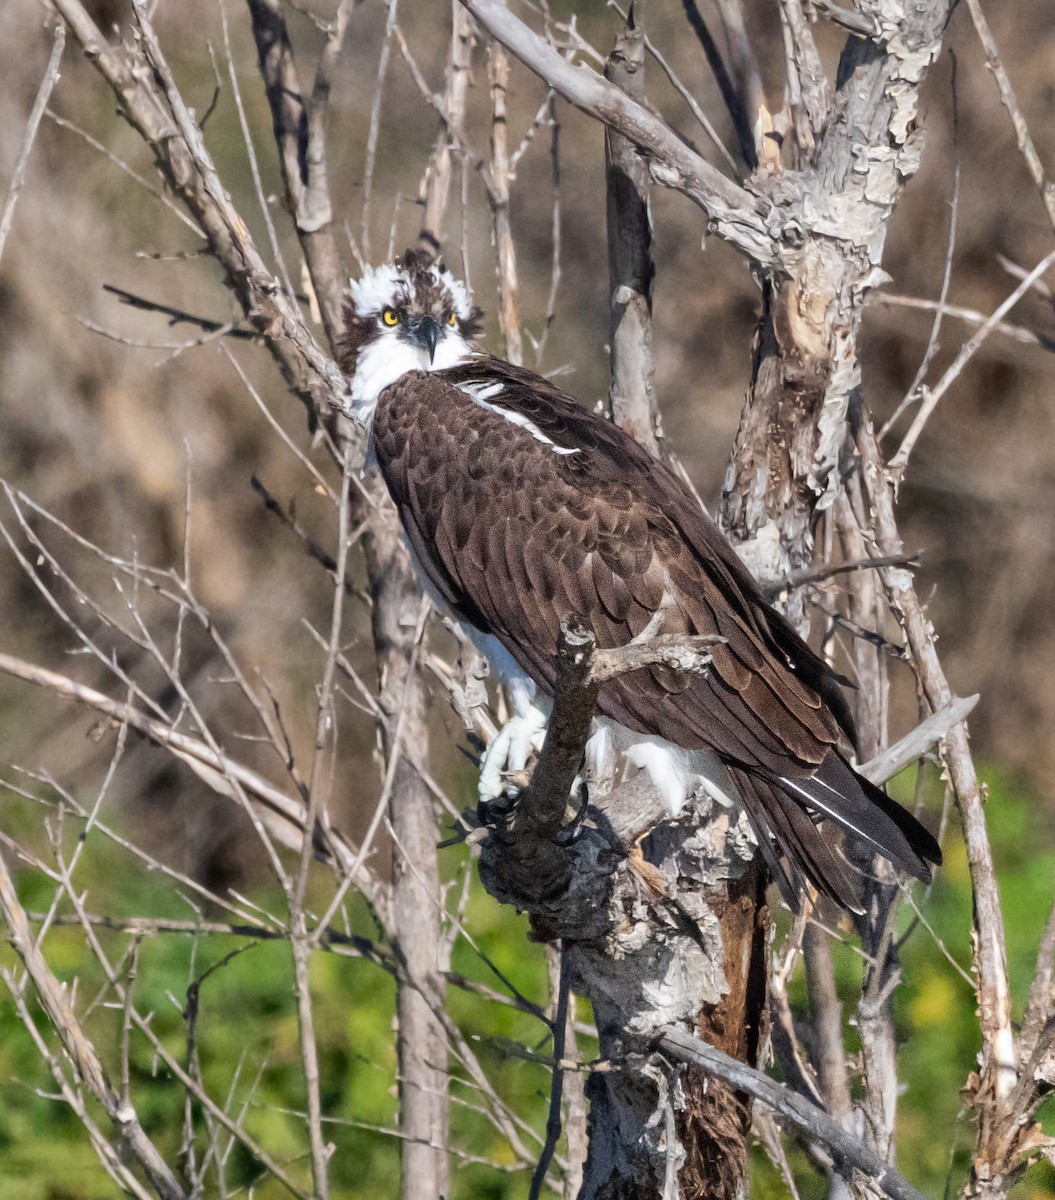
[{"x": 427, "y": 335}]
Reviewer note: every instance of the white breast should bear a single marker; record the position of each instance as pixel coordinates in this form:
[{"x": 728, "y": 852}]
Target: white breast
[{"x": 385, "y": 360}]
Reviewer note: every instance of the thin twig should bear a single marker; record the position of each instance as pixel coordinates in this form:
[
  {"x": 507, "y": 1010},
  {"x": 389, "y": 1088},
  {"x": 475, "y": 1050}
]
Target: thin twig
[
  {"x": 302, "y": 941},
  {"x": 375, "y": 126},
  {"x": 734, "y": 101},
  {"x": 818, "y": 572},
  {"x": 177, "y": 316},
  {"x": 553, "y": 1121},
  {"x": 931, "y": 396},
  {"x": 913, "y": 391},
  {"x": 686, "y": 95},
  {"x": 51, "y": 77},
  {"x": 998, "y": 1063},
  {"x": 158, "y": 193},
  {"x": 1026, "y": 146},
  {"x": 283, "y": 815},
  {"x": 58, "y": 1006},
  {"x": 254, "y": 166},
  {"x": 1017, "y": 333},
  {"x": 734, "y": 214}
]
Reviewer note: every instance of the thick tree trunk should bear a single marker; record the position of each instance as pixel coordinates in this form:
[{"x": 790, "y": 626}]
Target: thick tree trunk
[
  {"x": 855, "y": 151},
  {"x": 710, "y": 1121},
  {"x": 663, "y": 928}
]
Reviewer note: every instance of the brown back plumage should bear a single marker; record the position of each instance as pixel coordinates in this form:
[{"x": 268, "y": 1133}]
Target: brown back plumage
[{"x": 515, "y": 536}]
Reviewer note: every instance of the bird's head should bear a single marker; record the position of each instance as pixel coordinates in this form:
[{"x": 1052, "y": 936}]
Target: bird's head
[{"x": 410, "y": 315}]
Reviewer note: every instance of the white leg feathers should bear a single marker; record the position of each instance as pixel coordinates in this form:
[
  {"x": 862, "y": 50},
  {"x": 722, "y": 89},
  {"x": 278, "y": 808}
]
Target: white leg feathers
[
  {"x": 520, "y": 737},
  {"x": 613, "y": 752}
]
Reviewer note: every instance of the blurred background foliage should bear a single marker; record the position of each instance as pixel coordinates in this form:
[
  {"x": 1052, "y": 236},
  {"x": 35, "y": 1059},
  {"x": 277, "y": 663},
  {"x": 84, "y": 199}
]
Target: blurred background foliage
[{"x": 105, "y": 427}]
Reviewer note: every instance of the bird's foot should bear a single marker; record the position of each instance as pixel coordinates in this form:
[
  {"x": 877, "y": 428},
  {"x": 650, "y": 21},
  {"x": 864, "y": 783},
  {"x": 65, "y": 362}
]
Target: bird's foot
[{"x": 503, "y": 767}]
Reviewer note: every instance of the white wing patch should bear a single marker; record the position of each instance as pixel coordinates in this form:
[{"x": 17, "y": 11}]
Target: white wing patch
[{"x": 483, "y": 393}]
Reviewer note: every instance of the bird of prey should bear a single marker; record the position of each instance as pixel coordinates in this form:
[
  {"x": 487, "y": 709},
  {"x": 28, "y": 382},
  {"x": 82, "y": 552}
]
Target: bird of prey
[{"x": 521, "y": 508}]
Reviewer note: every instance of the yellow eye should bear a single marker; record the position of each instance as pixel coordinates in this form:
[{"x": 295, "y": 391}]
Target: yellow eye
[
  {"x": 390, "y": 317},
  {"x": 452, "y": 319}
]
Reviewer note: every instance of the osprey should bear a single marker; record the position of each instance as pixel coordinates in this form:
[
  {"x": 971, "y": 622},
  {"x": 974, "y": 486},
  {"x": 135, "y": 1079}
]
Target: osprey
[{"x": 521, "y": 508}]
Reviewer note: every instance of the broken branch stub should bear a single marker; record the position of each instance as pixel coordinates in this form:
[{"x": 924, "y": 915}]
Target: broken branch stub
[{"x": 522, "y": 862}]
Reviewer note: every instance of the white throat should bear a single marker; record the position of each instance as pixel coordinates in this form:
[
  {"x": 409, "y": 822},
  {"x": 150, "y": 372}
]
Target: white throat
[{"x": 388, "y": 358}]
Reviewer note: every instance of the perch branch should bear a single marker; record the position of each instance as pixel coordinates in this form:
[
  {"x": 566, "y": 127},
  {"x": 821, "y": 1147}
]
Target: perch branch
[
  {"x": 526, "y": 840},
  {"x": 581, "y": 669}
]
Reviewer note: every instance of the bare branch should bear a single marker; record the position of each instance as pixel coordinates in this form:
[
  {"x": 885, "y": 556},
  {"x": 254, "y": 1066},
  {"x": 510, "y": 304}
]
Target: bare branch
[
  {"x": 931, "y": 396},
  {"x": 375, "y": 124},
  {"x": 809, "y": 93},
  {"x": 678, "y": 651},
  {"x": 553, "y": 1122},
  {"x": 807, "y": 1118},
  {"x": 685, "y": 94},
  {"x": 47, "y": 84},
  {"x": 929, "y": 733},
  {"x": 1017, "y": 333},
  {"x": 1041, "y": 1004},
  {"x": 998, "y": 1063},
  {"x": 283, "y": 815},
  {"x": 500, "y": 175},
  {"x": 299, "y": 130},
  {"x": 913, "y": 390},
  {"x": 735, "y": 101},
  {"x": 1026, "y": 146},
  {"x": 254, "y": 166},
  {"x": 57, "y": 1005},
  {"x": 177, "y": 316},
  {"x": 162, "y": 119},
  {"x": 734, "y": 214},
  {"x": 437, "y": 182},
  {"x": 632, "y": 400}
]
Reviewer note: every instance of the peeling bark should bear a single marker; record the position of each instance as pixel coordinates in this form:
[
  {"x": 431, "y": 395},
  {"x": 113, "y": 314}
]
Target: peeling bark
[{"x": 834, "y": 212}]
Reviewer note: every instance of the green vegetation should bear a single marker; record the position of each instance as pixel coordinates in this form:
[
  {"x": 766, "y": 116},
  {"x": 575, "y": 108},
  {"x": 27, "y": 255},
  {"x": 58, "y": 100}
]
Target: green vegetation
[{"x": 246, "y": 1033}]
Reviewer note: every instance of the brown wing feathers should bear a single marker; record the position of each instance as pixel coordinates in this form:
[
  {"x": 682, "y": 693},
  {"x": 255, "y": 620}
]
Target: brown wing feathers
[{"x": 516, "y": 535}]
